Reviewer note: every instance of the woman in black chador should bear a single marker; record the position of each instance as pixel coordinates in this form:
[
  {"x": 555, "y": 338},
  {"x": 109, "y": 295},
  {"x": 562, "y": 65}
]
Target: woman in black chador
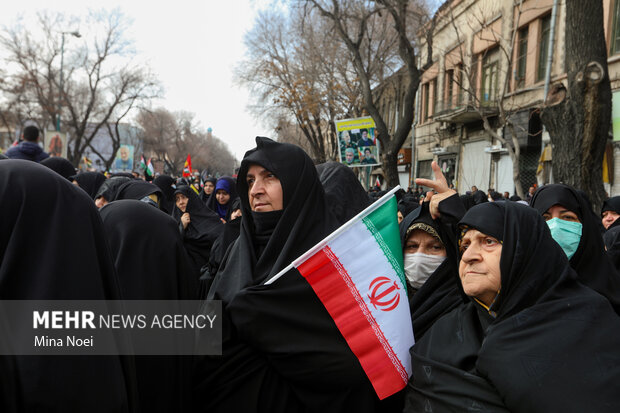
[
  {"x": 52, "y": 247},
  {"x": 152, "y": 264},
  {"x": 529, "y": 339},
  {"x": 199, "y": 225},
  {"x": 282, "y": 351}
]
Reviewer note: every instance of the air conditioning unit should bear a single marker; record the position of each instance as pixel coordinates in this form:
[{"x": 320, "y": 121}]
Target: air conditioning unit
[
  {"x": 495, "y": 149},
  {"x": 437, "y": 150}
]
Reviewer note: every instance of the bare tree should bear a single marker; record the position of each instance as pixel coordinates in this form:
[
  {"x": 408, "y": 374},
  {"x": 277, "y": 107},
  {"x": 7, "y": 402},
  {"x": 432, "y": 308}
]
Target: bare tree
[
  {"x": 103, "y": 82},
  {"x": 578, "y": 116},
  {"x": 172, "y": 136},
  {"x": 379, "y": 36},
  {"x": 298, "y": 73}
]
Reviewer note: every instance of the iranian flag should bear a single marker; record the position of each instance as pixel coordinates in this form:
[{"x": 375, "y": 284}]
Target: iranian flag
[
  {"x": 357, "y": 273},
  {"x": 150, "y": 171}
]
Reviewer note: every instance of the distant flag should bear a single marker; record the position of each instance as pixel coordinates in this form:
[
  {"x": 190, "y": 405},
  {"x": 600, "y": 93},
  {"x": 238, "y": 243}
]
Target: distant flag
[
  {"x": 87, "y": 161},
  {"x": 187, "y": 168},
  {"x": 366, "y": 294},
  {"x": 142, "y": 163},
  {"x": 378, "y": 182},
  {"x": 150, "y": 171}
]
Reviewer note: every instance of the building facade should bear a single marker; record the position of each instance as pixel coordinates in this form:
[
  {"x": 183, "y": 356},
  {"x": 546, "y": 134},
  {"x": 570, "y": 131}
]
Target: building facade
[{"x": 491, "y": 65}]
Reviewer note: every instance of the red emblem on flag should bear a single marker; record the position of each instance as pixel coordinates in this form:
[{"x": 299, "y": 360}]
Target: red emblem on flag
[{"x": 384, "y": 294}]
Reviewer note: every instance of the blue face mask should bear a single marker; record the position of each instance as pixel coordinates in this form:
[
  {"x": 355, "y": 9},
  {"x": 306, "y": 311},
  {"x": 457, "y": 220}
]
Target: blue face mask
[{"x": 567, "y": 234}]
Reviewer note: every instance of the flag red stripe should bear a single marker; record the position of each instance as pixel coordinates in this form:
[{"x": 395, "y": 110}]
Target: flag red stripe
[{"x": 332, "y": 289}]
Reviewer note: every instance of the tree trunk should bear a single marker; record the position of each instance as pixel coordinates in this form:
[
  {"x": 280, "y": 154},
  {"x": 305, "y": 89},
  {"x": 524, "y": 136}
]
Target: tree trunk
[{"x": 578, "y": 120}]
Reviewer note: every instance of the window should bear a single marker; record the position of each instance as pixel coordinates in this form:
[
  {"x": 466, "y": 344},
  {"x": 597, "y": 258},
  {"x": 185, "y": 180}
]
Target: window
[
  {"x": 435, "y": 97},
  {"x": 449, "y": 88},
  {"x": 425, "y": 91},
  {"x": 459, "y": 81},
  {"x": 615, "y": 34},
  {"x": 521, "y": 62},
  {"x": 488, "y": 91},
  {"x": 545, "y": 32}
]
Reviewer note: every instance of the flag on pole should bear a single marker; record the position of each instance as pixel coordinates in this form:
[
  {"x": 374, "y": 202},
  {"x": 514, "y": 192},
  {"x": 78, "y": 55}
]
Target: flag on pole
[
  {"x": 150, "y": 171},
  {"x": 142, "y": 163},
  {"x": 187, "y": 168},
  {"x": 378, "y": 182},
  {"x": 365, "y": 293}
]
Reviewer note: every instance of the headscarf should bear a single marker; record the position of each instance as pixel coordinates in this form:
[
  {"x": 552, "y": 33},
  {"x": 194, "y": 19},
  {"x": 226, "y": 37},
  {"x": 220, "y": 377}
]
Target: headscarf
[
  {"x": 589, "y": 261},
  {"x": 479, "y": 197},
  {"x": 90, "y": 182},
  {"x": 110, "y": 187},
  {"x": 163, "y": 272},
  {"x": 544, "y": 328},
  {"x": 468, "y": 201},
  {"x": 60, "y": 165},
  {"x": 203, "y": 196},
  {"x": 282, "y": 351},
  {"x": 59, "y": 255},
  {"x": 165, "y": 183},
  {"x": 227, "y": 184},
  {"x": 612, "y": 204},
  {"x": 611, "y": 239},
  {"x": 439, "y": 294},
  {"x": 202, "y": 231},
  {"x": 345, "y": 195},
  {"x": 139, "y": 190}
]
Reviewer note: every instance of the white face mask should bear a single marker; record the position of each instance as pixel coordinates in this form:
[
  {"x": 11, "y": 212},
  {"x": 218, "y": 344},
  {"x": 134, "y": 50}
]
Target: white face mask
[{"x": 418, "y": 267}]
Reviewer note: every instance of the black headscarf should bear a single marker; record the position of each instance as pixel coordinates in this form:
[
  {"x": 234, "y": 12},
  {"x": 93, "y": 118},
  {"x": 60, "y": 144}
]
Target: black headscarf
[
  {"x": 165, "y": 183},
  {"x": 109, "y": 188},
  {"x": 282, "y": 351},
  {"x": 439, "y": 294},
  {"x": 58, "y": 255},
  {"x": 593, "y": 267},
  {"x": 540, "y": 346},
  {"x": 138, "y": 189},
  {"x": 468, "y": 201},
  {"x": 60, "y": 165},
  {"x": 479, "y": 197},
  {"x": 612, "y": 204},
  {"x": 90, "y": 182},
  {"x": 203, "y": 196},
  {"x": 611, "y": 239},
  {"x": 162, "y": 272},
  {"x": 202, "y": 231},
  {"x": 344, "y": 193},
  {"x": 228, "y": 184}
]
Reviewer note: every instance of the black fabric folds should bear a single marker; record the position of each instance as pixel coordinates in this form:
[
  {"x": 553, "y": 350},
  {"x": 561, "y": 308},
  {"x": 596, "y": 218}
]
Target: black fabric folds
[
  {"x": 592, "y": 265},
  {"x": 163, "y": 272},
  {"x": 60, "y": 254},
  {"x": 202, "y": 231},
  {"x": 612, "y": 245},
  {"x": 165, "y": 182},
  {"x": 282, "y": 351},
  {"x": 440, "y": 294},
  {"x": 60, "y": 165},
  {"x": 137, "y": 189},
  {"x": 90, "y": 182},
  {"x": 345, "y": 195},
  {"x": 110, "y": 187},
  {"x": 548, "y": 342}
]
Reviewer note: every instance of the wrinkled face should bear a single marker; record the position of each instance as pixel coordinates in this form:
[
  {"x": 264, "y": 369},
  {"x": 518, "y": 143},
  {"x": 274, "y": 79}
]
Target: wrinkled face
[
  {"x": 222, "y": 197},
  {"x": 558, "y": 211},
  {"x": 364, "y": 135},
  {"x": 479, "y": 266},
  {"x": 181, "y": 202},
  {"x": 124, "y": 153},
  {"x": 345, "y": 137},
  {"x": 609, "y": 217},
  {"x": 208, "y": 188},
  {"x": 349, "y": 156},
  {"x": 423, "y": 242},
  {"x": 264, "y": 190}
]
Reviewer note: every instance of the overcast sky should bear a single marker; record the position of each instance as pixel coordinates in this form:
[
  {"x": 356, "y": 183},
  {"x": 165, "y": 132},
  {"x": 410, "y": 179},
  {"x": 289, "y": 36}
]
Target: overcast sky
[{"x": 192, "y": 46}]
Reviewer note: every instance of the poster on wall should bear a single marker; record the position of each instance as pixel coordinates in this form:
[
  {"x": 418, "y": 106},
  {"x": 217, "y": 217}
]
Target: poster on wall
[
  {"x": 124, "y": 159},
  {"x": 357, "y": 143},
  {"x": 55, "y": 143}
]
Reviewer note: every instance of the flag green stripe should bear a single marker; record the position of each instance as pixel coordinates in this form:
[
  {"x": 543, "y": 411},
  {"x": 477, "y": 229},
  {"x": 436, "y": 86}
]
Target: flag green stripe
[{"x": 383, "y": 225}]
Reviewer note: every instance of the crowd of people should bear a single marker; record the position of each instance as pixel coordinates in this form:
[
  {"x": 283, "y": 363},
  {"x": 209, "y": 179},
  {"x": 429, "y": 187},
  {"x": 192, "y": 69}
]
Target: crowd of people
[{"x": 514, "y": 302}]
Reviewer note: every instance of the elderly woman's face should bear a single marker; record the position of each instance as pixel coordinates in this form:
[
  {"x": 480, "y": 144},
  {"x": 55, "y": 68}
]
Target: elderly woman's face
[
  {"x": 425, "y": 243},
  {"x": 479, "y": 267}
]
